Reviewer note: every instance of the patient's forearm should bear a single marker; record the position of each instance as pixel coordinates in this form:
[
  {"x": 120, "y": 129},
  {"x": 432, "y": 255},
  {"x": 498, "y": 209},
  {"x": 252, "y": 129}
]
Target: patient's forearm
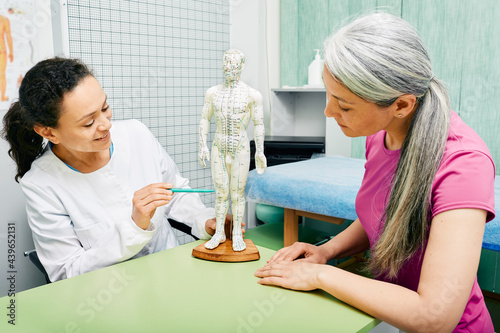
[{"x": 351, "y": 241}]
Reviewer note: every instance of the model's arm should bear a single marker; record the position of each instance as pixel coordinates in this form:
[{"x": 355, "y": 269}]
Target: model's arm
[
  {"x": 206, "y": 115},
  {"x": 259, "y": 130},
  {"x": 448, "y": 273}
]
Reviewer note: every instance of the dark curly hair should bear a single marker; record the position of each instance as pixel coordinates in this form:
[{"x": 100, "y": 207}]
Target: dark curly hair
[{"x": 40, "y": 97}]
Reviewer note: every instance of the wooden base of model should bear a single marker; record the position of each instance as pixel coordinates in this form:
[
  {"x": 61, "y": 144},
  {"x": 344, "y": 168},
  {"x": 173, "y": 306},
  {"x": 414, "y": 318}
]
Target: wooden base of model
[{"x": 224, "y": 252}]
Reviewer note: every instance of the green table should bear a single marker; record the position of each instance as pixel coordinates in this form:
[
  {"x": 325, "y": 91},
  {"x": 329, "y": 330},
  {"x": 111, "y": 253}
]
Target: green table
[{"x": 171, "y": 291}]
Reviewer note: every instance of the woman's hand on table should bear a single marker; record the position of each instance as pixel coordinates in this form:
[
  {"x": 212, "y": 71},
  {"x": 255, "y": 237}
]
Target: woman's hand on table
[
  {"x": 147, "y": 199},
  {"x": 297, "y": 275},
  {"x": 304, "y": 251},
  {"x": 294, "y": 267}
]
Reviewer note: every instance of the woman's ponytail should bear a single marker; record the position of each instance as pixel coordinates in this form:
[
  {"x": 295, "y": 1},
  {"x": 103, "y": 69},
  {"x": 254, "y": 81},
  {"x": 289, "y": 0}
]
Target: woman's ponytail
[
  {"x": 25, "y": 143},
  {"x": 406, "y": 214}
]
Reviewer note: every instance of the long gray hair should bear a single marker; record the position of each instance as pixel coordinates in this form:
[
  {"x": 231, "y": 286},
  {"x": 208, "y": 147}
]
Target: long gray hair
[{"x": 380, "y": 57}]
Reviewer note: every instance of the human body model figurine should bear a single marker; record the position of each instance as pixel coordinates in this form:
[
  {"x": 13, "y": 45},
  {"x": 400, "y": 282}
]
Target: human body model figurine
[{"x": 233, "y": 103}]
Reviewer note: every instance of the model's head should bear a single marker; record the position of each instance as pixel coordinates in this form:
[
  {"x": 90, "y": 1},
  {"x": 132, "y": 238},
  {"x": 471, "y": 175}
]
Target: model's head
[
  {"x": 233, "y": 63},
  {"x": 40, "y": 103},
  {"x": 379, "y": 57}
]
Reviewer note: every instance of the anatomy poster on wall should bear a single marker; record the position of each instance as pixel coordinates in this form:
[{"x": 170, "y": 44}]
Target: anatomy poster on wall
[{"x": 18, "y": 34}]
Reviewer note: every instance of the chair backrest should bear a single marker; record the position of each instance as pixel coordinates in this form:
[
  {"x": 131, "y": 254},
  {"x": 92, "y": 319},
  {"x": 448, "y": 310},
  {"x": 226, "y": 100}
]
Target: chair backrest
[
  {"x": 182, "y": 227},
  {"x": 33, "y": 256}
]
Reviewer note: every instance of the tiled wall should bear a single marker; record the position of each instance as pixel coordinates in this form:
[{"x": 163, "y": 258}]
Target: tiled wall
[
  {"x": 155, "y": 60},
  {"x": 463, "y": 39}
]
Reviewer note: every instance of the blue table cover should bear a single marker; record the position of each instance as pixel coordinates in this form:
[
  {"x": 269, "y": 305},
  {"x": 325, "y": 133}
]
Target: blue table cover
[{"x": 325, "y": 185}]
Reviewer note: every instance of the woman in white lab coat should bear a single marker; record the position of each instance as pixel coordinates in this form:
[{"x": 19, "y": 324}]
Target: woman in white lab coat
[{"x": 98, "y": 192}]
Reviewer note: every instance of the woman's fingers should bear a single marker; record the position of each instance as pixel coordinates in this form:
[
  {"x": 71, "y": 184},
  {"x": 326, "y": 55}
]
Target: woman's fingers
[
  {"x": 147, "y": 199},
  {"x": 154, "y": 199},
  {"x": 153, "y": 192},
  {"x": 271, "y": 281},
  {"x": 153, "y": 204},
  {"x": 271, "y": 275},
  {"x": 269, "y": 270},
  {"x": 298, "y": 275},
  {"x": 289, "y": 253},
  {"x": 157, "y": 188}
]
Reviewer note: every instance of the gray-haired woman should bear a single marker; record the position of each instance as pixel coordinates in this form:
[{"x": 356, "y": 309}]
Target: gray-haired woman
[{"x": 427, "y": 192}]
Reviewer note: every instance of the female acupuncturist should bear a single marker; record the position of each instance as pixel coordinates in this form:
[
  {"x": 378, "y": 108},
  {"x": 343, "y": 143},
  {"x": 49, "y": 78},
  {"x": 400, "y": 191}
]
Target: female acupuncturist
[
  {"x": 427, "y": 192},
  {"x": 98, "y": 193}
]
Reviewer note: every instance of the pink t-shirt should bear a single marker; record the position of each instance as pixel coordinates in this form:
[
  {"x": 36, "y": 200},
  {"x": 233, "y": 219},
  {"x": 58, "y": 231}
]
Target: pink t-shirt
[{"x": 465, "y": 179}]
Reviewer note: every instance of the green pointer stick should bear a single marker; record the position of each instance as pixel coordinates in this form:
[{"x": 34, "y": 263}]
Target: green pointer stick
[{"x": 191, "y": 190}]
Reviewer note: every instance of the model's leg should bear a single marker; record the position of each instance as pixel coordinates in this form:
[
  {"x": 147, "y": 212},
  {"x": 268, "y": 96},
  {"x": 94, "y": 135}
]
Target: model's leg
[
  {"x": 239, "y": 175},
  {"x": 220, "y": 178},
  {"x": 3, "y": 79}
]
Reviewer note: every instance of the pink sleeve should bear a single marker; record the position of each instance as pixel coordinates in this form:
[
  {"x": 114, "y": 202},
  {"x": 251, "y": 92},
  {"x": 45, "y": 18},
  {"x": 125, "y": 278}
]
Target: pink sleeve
[{"x": 465, "y": 179}]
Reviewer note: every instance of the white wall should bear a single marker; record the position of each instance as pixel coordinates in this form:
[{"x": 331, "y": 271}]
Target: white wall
[
  {"x": 336, "y": 143},
  {"x": 255, "y": 30},
  {"x": 11, "y": 197}
]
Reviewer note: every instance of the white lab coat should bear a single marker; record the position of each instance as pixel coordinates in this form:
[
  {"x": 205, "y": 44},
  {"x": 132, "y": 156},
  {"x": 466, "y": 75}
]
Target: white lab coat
[{"x": 82, "y": 222}]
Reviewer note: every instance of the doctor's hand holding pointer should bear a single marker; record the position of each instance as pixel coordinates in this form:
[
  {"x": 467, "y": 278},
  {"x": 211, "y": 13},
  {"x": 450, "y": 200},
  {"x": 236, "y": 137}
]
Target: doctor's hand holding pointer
[{"x": 147, "y": 199}]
